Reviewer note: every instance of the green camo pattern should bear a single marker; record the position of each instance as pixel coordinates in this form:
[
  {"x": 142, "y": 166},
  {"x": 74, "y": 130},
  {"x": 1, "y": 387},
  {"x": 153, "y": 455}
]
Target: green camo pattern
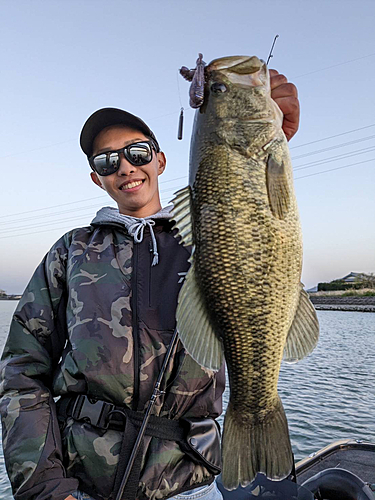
[{"x": 81, "y": 292}]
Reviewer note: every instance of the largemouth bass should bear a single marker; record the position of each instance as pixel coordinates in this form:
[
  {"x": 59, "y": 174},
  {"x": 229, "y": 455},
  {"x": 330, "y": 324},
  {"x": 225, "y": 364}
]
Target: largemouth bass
[{"x": 242, "y": 295}]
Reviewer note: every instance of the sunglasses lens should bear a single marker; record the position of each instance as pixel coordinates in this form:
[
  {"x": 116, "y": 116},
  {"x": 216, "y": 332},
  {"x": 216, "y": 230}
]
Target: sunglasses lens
[
  {"x": 106, "y": 164},
  {"x": 139, "y": 154}
]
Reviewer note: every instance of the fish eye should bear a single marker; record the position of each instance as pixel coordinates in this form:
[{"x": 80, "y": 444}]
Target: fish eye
[{"x": 218, "y": 87}]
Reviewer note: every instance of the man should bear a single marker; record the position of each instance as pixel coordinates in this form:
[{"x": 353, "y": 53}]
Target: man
[{"x": 93, "y": 327}]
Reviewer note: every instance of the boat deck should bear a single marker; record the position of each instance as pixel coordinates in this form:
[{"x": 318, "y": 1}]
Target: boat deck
[{"x": 355, "y": 456}]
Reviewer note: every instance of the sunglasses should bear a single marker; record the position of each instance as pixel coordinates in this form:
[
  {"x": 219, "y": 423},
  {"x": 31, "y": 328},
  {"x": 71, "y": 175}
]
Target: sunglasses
[{"x": 139, "y": 153}]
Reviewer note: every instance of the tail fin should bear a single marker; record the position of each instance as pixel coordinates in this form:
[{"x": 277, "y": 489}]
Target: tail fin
[{"x": 261, "y": 445}]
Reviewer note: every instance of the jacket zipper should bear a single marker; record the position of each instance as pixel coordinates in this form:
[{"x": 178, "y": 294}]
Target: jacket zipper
[
  {"x": 150, "y": 274},
  {"x": 135, "y": 326}
]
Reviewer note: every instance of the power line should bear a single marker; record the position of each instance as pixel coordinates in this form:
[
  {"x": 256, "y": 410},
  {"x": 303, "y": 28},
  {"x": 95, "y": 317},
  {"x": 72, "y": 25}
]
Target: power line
[
  {"x": 333, "y": 136},
  {"x": 37, "y": 232},
  {"x": 35, "y": 149},
  {"x": 297, "y": 178},
  {"x": 332, "y": 169},
  {"x": 43, "y": 224},
  {"x": 54, "y": 206},
  {"x": 324, "y": 150},
  {"x": 164, "y": 193},
  {"x": 80, "y": 217},
  {"x": 50, "y": 215},
  {"x": 334, "y": 66},
  {"x": 75, "y": 202},
  {"x": 334, "y": 158},
  {"x": 167, "y": 194}
]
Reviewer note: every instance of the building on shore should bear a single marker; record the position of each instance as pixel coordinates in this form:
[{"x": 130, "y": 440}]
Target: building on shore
[
  {"x": 4, "y": 296},
  {"x": 349, "y": 282}
]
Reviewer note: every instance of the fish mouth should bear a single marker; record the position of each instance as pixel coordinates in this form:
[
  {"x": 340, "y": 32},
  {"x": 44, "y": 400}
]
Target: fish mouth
[
  {"x": 241, "y": 70},
  {"x": 237, "y": 64}
]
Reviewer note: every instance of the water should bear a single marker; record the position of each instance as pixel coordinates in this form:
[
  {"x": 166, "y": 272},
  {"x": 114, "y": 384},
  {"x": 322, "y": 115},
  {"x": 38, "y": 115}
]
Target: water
[
  {"x": 6, "y": 312},
  {"x": 328, "y": 396}
]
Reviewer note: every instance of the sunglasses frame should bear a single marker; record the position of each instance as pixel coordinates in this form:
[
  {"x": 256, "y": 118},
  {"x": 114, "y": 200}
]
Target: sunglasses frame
[{"x": 124, "y": 151}]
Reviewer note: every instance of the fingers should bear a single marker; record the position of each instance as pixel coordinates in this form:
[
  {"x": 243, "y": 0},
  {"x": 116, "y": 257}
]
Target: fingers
[
  {"x": 284, "y": 90},
  {"x": 276, "y": 79},
  {"x": 285, "y": 94},
  {"x": 289, "y": 105}
]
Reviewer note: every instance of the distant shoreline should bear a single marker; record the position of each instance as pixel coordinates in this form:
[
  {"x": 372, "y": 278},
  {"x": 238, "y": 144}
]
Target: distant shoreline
[{"x": 358, "y": 303}]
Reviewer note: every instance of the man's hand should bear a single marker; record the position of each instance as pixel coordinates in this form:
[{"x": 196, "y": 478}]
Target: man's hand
[
  {"x": 70, "y": 498},
  {"x": 286, "y": 96}
]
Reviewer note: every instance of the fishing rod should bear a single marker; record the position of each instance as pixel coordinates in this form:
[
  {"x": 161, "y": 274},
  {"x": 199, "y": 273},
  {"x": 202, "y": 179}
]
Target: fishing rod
[
  {"x": 270, "y": 54},
  {"x": 156, "y": 393}
]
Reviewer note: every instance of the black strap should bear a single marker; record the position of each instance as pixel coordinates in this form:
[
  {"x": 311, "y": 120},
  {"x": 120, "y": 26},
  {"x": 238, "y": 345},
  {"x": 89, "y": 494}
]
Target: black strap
[
  {"x": 127, "y": 446},
  {"x": 106, "y": 415}
]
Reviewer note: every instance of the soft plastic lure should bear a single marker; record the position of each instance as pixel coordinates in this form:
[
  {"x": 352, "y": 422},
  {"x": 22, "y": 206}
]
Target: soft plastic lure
[{"x": 197, "y": 79}]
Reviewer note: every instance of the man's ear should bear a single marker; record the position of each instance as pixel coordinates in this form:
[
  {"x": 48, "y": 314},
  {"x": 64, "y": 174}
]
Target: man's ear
[
  {"x": 162, "y": 162},
  {"x": 95, "y": 179}
]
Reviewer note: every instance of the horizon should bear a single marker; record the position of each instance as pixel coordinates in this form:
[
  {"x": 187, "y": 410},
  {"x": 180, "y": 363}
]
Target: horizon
[{"x": 307, "y": 289}]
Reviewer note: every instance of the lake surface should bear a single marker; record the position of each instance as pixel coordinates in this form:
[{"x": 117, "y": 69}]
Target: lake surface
[{"x": 328, "y": 396}]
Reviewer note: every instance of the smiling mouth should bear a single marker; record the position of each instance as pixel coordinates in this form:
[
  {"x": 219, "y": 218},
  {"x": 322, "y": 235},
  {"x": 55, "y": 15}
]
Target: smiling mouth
[{"x": 130, "y": 185}]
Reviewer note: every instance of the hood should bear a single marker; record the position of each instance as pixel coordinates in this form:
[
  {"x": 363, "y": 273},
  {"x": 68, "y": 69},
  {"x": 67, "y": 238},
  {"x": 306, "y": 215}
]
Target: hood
[
  {"x": 110, "y": 215},
  {"x": 134, "y": 225}
]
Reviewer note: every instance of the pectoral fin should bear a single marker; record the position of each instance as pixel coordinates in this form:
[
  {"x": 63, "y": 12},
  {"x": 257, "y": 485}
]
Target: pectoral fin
[
  {"x": 194, "y": 326},
  {"x": 277, "y": 188},
  {"x": 181, "y": 215},
  {"x": 304, "y": 332}
]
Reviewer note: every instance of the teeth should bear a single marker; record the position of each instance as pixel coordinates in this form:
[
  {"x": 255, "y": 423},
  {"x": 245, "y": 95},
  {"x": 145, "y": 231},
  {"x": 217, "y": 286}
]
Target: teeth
[{"x": 131, "y": 185}]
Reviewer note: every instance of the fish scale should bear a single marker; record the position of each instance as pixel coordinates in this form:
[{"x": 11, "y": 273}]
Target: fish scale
[{"x": 242, "y": 296}]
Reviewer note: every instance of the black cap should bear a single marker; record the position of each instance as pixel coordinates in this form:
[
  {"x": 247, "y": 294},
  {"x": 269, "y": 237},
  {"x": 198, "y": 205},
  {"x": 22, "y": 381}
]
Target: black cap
[{"x": 111, "y": 116}]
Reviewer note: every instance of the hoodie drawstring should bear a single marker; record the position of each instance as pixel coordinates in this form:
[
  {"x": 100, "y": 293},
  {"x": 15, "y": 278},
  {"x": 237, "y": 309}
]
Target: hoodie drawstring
[{"x": 136, "y": 230}]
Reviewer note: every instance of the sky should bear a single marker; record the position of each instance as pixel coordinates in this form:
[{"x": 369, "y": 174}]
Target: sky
[{"x": 62, "y": 60}]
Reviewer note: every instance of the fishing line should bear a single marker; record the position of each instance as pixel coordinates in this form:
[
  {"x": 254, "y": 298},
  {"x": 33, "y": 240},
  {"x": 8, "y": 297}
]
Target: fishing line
[{"x": 181, "y": 117}]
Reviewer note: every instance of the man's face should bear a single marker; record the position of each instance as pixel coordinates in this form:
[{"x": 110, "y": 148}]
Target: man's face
[{"x": 134, "y": 188}]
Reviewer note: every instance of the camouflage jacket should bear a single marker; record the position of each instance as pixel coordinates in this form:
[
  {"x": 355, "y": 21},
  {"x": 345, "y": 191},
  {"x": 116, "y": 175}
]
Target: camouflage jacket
[{"x": 95, "y": 319}]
